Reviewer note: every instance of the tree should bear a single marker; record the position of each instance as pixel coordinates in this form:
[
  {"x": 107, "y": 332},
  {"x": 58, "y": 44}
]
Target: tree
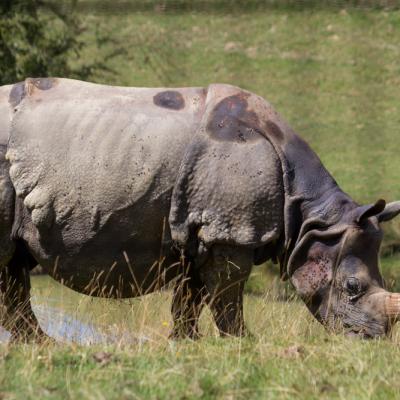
[{"x": 39, "y": 38}]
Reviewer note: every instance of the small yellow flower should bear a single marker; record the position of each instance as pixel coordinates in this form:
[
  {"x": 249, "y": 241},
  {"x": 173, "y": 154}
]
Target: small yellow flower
[{"x": 165, "y": 323}]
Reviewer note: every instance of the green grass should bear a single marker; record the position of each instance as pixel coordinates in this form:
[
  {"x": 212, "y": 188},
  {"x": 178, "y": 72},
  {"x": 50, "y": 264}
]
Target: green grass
[
  {"x": 335, "y": 76},
  {"x": 289, "y": 356}
]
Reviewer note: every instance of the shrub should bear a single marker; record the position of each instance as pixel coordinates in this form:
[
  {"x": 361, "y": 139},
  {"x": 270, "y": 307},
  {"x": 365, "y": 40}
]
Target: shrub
[{"x": 40, "y": 39}]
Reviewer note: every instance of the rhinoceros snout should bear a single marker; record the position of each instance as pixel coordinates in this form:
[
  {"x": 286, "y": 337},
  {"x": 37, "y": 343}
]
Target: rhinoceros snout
[{"x": 378, "y": 320}]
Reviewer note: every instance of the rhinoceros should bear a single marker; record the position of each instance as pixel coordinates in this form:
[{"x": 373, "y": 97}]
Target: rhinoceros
[{"x": 117, "y": 191}]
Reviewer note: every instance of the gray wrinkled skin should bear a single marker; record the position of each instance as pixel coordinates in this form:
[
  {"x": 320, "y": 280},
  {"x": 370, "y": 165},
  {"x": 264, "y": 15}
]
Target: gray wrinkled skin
[
  {"x": 116, "y": 191},
  {"x": 96, "y": 180}
]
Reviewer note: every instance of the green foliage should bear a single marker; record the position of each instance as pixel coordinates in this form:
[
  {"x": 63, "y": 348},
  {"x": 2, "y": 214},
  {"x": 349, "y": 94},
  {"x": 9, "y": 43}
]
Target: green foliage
[{"x": 40, "y": 39}]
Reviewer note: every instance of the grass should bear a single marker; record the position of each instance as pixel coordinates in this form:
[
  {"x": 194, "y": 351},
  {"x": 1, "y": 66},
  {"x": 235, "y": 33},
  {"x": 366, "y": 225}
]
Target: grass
[
  {"x": 334, "y": 74},
  {"x": 289, "y": 356}
]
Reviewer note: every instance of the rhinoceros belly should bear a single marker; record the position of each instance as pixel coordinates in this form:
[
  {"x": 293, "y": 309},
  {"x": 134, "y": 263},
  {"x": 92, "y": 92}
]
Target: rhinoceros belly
[{"x": 95, "y": 167}]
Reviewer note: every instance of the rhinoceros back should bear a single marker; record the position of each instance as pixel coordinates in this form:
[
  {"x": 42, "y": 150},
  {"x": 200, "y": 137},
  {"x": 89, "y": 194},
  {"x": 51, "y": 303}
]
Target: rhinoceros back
[{"x": 86, "y": 159}]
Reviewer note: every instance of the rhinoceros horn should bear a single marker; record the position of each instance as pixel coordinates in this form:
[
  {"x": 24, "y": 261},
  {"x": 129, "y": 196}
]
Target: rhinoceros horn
[{"x": 392, "y": 306}]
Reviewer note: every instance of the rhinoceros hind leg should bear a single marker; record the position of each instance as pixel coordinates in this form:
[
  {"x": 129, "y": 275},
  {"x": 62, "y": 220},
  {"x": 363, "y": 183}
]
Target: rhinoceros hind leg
[
  {"x": 188, "y": 300},
  {"x": 224, "y": 277},
  {"x": 17, "y": 315}
]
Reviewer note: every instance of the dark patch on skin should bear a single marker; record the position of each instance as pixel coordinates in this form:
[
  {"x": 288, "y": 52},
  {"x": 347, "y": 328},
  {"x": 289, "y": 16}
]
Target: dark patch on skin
[
  {"x": 171, "y": 99},
  {"x": 232, "y": 121},
  {"x": 43, "y": 83},
  {"x": 17, "y": 94},
  {"x": 19, "y": 90},
  {"x": 274, "y": 130}
]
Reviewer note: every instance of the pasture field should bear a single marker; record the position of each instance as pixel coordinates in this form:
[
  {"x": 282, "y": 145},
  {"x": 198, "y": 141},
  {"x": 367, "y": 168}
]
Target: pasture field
[
  {"x": 334, "y": 74},
  {"x": 289, "y": 356}
]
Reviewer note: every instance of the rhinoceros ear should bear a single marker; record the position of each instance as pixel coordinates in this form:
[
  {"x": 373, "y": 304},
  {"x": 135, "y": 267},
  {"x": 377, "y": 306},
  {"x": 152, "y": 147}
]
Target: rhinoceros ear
[
  {"x": 364, "y": 212},
  {"x": 391, "y": 210}
]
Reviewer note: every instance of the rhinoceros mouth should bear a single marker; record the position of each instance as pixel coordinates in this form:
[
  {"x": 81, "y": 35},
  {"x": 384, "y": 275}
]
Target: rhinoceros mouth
[
  {"x": 359, "y": 334},
  {"x": 364, "y": 329}
]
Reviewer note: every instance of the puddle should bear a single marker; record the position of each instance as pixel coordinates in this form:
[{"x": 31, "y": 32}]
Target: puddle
[
  {"x": 70, "y": 317},
  {"x": 63, "y": 327},
  {"x": 4, "y": 335}
]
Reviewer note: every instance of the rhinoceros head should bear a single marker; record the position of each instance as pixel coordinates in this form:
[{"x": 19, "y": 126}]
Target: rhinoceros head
[{"x": 335, "y": 270}]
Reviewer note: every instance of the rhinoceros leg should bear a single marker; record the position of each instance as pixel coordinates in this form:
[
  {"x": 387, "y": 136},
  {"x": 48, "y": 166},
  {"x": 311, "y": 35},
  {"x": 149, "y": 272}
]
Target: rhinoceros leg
[
  {"x": 189, "y": 298},
  {"x": 224, "y": 277},
  {"x": 17, "y": 316}
]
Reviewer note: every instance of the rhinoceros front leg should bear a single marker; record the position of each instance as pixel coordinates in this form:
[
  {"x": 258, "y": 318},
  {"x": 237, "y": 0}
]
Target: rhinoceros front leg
[
  {"x": 17, "y": 315},
  {"x": 189, "y": 298},
  {"x": 224, "y": 277}
]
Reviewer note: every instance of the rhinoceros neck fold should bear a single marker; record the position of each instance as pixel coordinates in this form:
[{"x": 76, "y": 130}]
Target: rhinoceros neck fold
[
  {"x": 312, "y": 196},
  {"x": 311, "y": 193},
  {"x": 318, "y": 194},
  {"x": 312, "y": 190}
]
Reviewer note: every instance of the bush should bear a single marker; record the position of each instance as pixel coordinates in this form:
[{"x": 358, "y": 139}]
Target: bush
[{"x": 40, "y": 39}]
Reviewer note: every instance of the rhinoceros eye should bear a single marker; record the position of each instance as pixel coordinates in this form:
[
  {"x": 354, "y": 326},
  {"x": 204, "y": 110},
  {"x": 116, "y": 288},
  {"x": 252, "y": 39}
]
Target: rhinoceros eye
[{"x": 353, "y": 286}]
